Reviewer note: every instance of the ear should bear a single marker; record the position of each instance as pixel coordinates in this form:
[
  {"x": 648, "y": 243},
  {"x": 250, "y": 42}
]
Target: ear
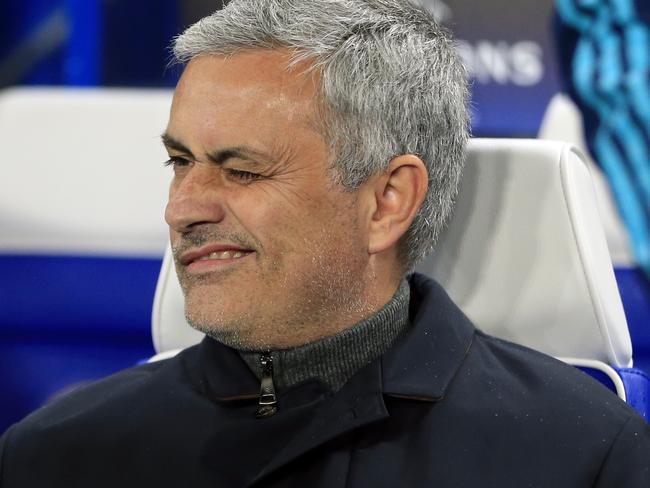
[{"x": 398, "y": 194}]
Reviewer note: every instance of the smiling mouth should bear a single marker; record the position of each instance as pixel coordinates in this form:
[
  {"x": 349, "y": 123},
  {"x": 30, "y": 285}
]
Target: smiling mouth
[
  {"x": 216, "y": 261},
  {"x": 222, "y": 255}
]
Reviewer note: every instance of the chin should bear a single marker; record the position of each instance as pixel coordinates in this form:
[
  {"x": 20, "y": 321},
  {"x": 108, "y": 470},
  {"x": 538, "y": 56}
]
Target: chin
[{"x": 217, "y": 319}]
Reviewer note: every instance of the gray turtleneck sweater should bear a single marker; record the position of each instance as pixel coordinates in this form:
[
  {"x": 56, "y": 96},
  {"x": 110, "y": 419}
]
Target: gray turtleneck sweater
[{"x": 335, "y": 359}]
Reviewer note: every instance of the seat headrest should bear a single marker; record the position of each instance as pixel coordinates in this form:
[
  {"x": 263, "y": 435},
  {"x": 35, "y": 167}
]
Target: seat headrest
[
  {"x": 84, "y": 171},
  {"x": 524, "y": 256}
]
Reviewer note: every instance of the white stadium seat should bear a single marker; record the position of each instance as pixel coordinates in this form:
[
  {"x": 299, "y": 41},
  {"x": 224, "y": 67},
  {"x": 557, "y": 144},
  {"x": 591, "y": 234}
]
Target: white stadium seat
[{"x": 82, "y": 171}]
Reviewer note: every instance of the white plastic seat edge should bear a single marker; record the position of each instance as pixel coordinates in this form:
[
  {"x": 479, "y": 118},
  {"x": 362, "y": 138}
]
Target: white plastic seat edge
[
  {"x": 602, "y": 367},
  {"x": 600, "y": 280},
  {"x": 163, "y": 355}
]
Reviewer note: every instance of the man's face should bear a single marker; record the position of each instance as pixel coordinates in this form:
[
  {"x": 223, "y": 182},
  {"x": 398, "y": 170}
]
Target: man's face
[{"x": 269, "y": 251}]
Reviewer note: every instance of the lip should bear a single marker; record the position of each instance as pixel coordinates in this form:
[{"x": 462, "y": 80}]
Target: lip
[
  {"x": 190, "y": 257},
  {"x": 214, "y": 265}
]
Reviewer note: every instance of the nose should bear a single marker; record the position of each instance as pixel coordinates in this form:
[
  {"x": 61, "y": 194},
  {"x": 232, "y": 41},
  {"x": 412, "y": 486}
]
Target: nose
[{"x": 194, "y": 199}]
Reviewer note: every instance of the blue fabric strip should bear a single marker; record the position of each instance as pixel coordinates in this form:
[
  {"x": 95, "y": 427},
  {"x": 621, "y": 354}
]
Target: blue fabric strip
[
  {"x": 637, "y": 388},
  {"x": 635, "y": 382},
  {"x": 81, "y": 296}
]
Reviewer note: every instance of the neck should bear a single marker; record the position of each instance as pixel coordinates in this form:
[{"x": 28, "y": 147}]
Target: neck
[{"x": 333, "y": 318}]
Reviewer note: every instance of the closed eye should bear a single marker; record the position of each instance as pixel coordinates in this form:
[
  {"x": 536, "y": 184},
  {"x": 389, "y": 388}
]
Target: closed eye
[
  {"x": 242, "y": 175},
  {"x": 236, "y": 174},
  {"x": 177, "y": 161}
]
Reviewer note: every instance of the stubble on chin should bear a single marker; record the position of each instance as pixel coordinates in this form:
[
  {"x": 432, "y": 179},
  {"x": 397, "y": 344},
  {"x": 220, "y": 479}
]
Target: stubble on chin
[
  {"x": 220, "y": 313},
  {"x": 294, "y": 309}
]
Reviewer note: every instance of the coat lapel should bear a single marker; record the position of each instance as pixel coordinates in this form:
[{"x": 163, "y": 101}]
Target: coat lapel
[{"x": 424, "y": 362}]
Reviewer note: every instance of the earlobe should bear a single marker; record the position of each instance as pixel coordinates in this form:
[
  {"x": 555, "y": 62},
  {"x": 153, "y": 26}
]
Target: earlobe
[{"x": 399, "y": 192}]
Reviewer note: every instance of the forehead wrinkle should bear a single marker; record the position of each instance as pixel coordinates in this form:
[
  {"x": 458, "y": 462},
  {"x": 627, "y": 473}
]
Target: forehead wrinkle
[
  {"x": 297, "y": 92},
  {"x": 281, "y": 148},
  {"x": 294, "y": 96}
]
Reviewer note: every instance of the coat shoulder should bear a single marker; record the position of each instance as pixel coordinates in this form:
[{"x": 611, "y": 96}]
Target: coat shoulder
[
  {"x": 105, "y": 401},
  {"x": 527, "y": 384}
]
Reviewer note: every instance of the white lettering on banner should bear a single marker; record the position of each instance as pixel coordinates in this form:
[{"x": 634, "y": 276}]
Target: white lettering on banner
[{"x": 498, "y": 62}]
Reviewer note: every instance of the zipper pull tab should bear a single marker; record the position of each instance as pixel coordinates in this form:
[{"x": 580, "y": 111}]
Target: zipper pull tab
[{"x": 268, "y": 404}]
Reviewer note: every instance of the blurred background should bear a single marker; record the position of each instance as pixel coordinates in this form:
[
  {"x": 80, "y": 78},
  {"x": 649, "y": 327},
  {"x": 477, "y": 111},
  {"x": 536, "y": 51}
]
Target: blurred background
[
  {"x": 115, "y": 43},
  {"x": 76, "y": 294}
]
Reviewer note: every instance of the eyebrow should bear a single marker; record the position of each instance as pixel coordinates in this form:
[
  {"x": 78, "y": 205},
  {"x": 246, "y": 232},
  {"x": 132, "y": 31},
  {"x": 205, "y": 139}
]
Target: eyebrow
[{"x": 219, "y": 157}]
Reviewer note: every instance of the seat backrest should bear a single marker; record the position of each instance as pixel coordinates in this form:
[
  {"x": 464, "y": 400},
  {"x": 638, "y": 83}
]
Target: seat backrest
[
  {"x": 524, "y": 256},
  {"x": 83, "y": 171}
]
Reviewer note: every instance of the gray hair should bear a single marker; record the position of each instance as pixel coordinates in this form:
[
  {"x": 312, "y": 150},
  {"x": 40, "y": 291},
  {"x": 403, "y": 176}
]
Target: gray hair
[{"x": 392, "y": 84}]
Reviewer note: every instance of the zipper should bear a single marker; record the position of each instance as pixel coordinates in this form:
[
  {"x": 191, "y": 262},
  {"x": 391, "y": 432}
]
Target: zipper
[{"x": 268, "y": 404}]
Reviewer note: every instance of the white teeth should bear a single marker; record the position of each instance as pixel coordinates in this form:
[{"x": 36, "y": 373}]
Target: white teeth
[{"x": 221, "y": 255}]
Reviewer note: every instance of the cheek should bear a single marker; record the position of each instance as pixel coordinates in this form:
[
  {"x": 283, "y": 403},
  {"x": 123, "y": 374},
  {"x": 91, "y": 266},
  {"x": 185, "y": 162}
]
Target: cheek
[
  {"x": 310, "y": 229},
  {"x": 271, "y": 221},
  {"x": 329, "y": 236},
  {"x": 260, "y": 219}
]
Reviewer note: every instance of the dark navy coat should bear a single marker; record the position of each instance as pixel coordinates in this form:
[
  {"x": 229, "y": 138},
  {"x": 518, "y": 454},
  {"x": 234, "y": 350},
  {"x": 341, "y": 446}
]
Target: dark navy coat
[{"x": 447, "y": 406}]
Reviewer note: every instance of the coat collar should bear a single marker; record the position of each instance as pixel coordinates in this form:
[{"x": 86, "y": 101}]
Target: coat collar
[
  {"x": 424, "y": 362},
  {"x": 225, "y": 377},
  {"x": 420, "y": 365}
]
